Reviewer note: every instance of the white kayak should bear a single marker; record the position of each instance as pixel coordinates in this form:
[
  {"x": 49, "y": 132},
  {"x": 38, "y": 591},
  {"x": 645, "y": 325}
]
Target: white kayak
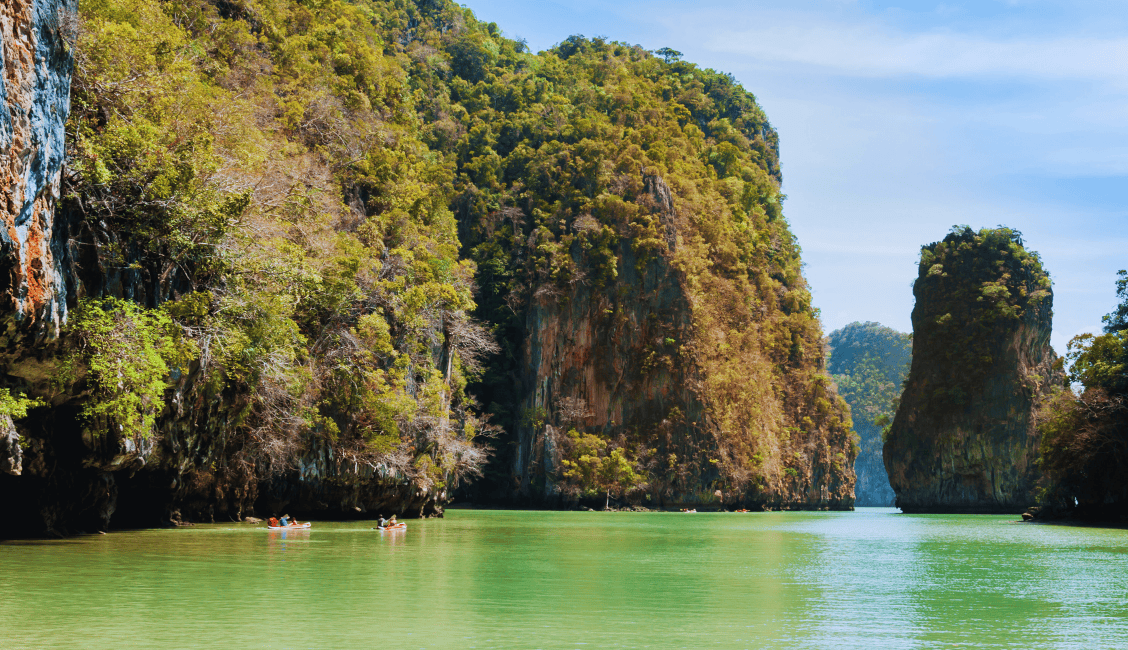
[
  {"x": 291, "y": 527},
  {"x": 399, "y": 526}
]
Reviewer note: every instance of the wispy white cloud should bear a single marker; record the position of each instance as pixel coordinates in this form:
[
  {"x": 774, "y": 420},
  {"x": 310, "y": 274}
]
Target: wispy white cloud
[{"x": 875, "y": 50}]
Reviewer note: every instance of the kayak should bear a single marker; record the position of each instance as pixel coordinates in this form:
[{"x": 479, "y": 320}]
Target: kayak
[
  {"x": 399, "y": 526},
  {"x": 291, "y": 527}
]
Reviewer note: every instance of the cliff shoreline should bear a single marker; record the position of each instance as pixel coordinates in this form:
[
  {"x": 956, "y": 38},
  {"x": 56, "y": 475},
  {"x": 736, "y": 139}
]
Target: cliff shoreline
[{"x": 319, "y": 341}]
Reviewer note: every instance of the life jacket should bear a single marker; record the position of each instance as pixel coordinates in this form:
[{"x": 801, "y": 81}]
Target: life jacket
[{"x": 273, "y": 521}]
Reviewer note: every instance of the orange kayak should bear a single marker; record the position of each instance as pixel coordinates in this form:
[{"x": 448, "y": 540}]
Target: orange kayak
[{"x": 399, "y": 526}]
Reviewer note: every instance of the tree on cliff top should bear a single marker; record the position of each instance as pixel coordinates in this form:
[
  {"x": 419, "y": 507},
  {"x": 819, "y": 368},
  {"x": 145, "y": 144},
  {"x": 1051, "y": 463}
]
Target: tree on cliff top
[
  {"x": 1118, "y": 319},
  {"x": 972, "y": 287}
]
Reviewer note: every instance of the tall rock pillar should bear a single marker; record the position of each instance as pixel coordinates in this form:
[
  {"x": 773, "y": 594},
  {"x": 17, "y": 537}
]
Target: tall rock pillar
[{"x": 963, "y": 439}]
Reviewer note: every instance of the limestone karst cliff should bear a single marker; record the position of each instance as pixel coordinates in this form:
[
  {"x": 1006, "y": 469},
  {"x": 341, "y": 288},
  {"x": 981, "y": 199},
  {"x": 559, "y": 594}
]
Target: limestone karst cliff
[
  {"x": 677, "y": 368},
  {"x": 648, "y": 294},
  {"x": 36, "y": 59},
  {"x": 290, "y": 240},
  {"x": 964, "y": 436},
  {"x": 195, "y": 353}
]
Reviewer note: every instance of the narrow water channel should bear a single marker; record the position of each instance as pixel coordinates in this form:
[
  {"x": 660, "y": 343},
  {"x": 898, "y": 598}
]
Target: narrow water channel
[{"x": 874, "y": 578}]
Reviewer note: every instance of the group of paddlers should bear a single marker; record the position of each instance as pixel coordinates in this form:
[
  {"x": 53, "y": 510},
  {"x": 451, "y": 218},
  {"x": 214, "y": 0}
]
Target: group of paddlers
[{"x": 284, "y": 522}]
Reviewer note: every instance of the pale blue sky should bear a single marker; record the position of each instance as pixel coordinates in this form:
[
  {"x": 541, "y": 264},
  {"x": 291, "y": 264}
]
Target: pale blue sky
[{"x": 899, "y": 119}]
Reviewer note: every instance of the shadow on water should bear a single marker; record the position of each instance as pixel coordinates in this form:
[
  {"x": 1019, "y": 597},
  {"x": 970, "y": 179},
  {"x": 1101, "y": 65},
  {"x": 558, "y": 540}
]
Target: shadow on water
[{"x": 40, "y": 541}]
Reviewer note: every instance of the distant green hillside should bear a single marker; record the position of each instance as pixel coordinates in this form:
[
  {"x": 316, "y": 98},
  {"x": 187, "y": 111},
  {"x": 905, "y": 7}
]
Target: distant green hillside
[{"x": 868, "y": 363}]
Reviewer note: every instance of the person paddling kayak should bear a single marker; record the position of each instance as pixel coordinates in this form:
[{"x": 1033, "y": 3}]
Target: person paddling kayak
[{"x": 289, "y": 523}]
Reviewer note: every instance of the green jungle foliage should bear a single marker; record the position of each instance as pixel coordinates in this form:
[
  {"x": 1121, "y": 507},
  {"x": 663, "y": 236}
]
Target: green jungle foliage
[
  {"x": 869, "y": 363},
  {"x": 595, "y": 465},
  {"x": 17, "y": 406},
  {"x": 971, "y": 288},
  {"x": 313, "y": 188},
  {"x": 1084, "y": 451},
  {"x": 127, "y": 353},
  {"x": 1118, "y": 319},
  {"x": 265, "y": 163}
]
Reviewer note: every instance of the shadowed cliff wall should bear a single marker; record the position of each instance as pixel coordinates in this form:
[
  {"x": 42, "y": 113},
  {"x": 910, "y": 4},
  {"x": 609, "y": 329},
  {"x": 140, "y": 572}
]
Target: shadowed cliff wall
[{"x": 717, "y": 397}]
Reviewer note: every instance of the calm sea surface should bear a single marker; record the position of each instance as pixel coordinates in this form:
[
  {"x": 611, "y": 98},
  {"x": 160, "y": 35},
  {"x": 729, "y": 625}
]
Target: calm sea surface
[{"x": 501, "y": 579}]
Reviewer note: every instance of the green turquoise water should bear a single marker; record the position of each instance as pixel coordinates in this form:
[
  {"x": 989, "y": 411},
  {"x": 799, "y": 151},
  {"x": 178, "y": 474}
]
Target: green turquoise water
[{"x": 501, "y": 579}]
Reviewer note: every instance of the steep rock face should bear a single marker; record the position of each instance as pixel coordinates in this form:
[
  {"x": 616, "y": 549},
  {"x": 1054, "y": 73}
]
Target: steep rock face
[
  {"x": 659, "y": 346},
  {"x": 36, "y": 37},
  {"x": 193, "y": 468},
  {"x": 964, "y": 437},
  {"x": 697, "y": 349},
  {"x": 872, "y": 488},
  {"x": 11, "y": 455},
  {"x": 678, "y": 380},
  {"x": 586, "y": 353},
  {"x": 36, "y": 62}
]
